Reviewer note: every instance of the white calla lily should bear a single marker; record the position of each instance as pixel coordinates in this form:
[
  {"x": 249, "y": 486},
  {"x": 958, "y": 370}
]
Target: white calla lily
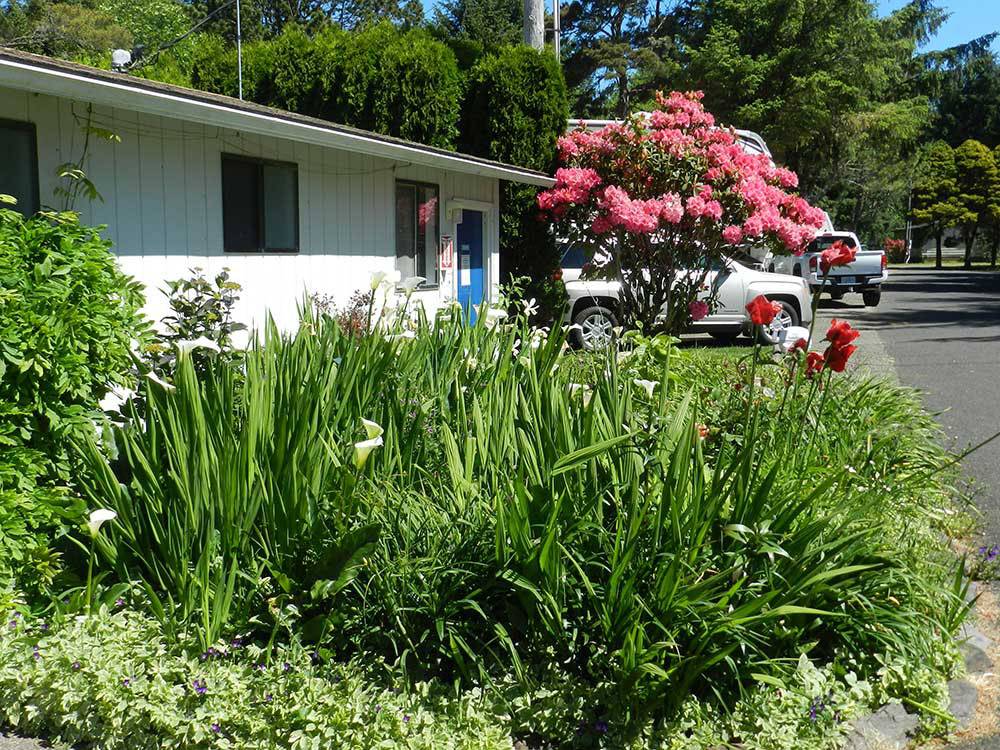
[
  {"x": 405, "y": 335},
  {"x": 647, "y": 385},
  {"x": 410, "y": 283},
  {"x": 160, "y": 381},
  {"x": 372, "y": 429},
  {"x": 98, "y": 518},
  {"x": 364, "y": 448},
  {"x": 202, "y": 342},
  {"x": 530, "y": 306}
]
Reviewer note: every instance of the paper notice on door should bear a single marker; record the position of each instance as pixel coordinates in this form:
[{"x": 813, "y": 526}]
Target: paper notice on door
[{"x": 465, "y": 266}]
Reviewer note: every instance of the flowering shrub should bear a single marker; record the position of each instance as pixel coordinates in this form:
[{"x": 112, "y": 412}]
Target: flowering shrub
[
  {"x": 667, "y": 192},
  {"x": 895, "y": 250}
]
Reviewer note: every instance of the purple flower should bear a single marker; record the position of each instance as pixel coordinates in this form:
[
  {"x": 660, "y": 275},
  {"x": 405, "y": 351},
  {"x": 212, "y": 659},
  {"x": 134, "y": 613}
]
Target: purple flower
[
  {"x": 119, "y": 602},
  {"x": 237, "y": 642},
  {"x": 75, "y": 666},
  {"x": 268, "y": 697},
  {"x": 200, "y": 687},
  {"x": 286, "y": 667},
  {"x": 816, "y": 708},
  {"x": 127, "y": 681},
  {"x": 260, "y": 667},
  {"x": 406, "y": 718},
  {"x": 601, "y": 727},
  {"x": 43, "y": 626},
  {"x": 216, "y": 728},
  {"x": 35, "y": 653},
  {"x": 13, "y": 623}
]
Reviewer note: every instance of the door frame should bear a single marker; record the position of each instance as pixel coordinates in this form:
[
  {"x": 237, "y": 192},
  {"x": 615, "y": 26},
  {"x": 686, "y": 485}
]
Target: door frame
[{"x": 491, "y": 252}]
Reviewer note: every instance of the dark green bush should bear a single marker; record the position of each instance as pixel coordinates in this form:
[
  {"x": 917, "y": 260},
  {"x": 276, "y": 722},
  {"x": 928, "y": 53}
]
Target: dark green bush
[
  {"x": 515, "y": 109},
  {"x": 405, "y": 84}
]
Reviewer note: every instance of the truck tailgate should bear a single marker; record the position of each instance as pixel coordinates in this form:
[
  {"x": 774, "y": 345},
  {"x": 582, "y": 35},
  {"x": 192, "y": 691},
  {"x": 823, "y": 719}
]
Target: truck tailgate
[{"x": 867, "y": 263}]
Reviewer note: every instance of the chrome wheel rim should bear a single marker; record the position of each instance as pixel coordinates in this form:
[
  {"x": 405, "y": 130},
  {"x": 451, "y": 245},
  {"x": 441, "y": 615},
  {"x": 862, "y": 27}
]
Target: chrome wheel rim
[
  {"x": 597, "y": 331},
  {"x": 781, "y": 321}
]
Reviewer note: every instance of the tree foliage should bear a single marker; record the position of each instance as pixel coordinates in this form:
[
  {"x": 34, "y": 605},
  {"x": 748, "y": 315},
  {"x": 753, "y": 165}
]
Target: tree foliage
[
  {"x": 978, "y": 191},
  {"x": 935, "y": 200},
  {"x": 488, "y": 22}
]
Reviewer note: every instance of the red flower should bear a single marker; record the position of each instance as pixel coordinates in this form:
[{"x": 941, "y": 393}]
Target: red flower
[
  {"x": 837, "y": 356},
  {"x": 814, "y": 363},
  {"x": 838, "y": 254},
  {"x": 799, "y": 346},
  {"x": 557, "y": 275},
  {"x": 762, "y": 310},
  {"x": 840, "y": 333}
]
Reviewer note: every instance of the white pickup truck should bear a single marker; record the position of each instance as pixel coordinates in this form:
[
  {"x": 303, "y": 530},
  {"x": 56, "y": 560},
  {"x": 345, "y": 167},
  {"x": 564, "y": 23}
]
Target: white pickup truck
[
  {"x": 593, "y": 304},
  {"x": 864, "y": 275}
]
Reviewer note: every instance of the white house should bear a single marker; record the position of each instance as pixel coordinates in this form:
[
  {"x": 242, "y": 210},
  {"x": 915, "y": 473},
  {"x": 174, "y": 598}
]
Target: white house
[{"x": 291, "y": 204}]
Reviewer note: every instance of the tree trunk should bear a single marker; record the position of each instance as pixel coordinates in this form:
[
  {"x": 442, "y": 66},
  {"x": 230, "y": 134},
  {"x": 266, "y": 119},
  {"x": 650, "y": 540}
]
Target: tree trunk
[
  {"x": 969, "y": 237},
  {"x": 937, "y": 247},
  {"x": 534, "y": 23}
]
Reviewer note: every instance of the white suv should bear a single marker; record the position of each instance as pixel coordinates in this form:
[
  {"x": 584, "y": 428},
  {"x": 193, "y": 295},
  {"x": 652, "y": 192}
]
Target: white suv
[{"x": 593, "y": 305}]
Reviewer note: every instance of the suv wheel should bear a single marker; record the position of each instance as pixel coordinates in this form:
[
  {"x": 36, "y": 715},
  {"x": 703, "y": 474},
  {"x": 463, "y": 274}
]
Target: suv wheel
[
  {"x": 597, "y": 326},
  {"x": 787, "y": 318},
  {"x": 871, "y": 297}
]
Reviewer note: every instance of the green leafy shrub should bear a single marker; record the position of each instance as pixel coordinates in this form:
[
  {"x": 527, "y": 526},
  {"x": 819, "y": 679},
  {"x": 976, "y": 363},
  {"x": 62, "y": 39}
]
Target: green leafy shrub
[{"x": 68, "y": 319}]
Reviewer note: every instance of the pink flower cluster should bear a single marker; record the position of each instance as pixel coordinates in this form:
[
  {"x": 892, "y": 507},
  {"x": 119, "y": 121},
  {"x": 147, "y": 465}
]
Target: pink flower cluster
[
  {"x": 617, "y": 209},
  {"x": 675, "y": 166},
  {"x": 573, "y": 185}
]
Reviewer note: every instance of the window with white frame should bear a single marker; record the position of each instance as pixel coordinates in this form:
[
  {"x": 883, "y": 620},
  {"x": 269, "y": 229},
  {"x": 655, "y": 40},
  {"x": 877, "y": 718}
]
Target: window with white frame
[{"x": 417, "y": 230}]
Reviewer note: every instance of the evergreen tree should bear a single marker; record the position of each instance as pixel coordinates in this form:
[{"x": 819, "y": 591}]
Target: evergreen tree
[{"x": 489, "y": 22}]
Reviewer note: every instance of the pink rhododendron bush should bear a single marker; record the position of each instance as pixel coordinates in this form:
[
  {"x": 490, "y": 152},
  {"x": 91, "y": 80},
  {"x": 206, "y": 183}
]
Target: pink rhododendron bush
[{"x": 659, "y": 198}]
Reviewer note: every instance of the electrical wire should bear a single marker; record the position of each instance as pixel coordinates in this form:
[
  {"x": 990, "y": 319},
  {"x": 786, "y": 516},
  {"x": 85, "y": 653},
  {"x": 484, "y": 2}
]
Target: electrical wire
[{"x": 146, "y": 60}]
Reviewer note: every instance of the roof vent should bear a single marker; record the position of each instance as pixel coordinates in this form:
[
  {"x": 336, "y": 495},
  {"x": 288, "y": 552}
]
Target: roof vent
[{"x": 120, "y": 60}]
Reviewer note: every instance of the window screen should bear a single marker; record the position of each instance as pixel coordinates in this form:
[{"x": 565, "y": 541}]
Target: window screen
[
  {"x": 19, "y": 165},
  {"x": 417, "y": 230},
  {"x": 260, "y": 205}
]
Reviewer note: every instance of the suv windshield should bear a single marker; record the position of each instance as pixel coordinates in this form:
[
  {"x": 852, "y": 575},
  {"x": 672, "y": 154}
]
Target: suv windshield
[
  {"x": 573, "y": 256},
  {"x": 820, "y": 244}
]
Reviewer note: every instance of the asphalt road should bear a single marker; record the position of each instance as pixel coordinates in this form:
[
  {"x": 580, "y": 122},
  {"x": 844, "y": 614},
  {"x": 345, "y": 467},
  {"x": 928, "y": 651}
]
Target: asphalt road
[{"x": 941, "y": 331}]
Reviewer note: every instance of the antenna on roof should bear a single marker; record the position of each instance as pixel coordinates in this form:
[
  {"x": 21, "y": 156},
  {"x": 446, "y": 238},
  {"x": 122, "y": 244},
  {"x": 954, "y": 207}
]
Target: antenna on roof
[{"x": 239, "y": 50}]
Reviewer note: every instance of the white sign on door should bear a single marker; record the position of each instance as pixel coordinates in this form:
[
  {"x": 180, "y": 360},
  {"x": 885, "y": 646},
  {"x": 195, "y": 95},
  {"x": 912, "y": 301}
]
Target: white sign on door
[{"x": 465, "y": 266}]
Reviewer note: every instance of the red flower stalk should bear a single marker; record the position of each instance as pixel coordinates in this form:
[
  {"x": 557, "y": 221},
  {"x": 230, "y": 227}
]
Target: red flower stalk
[
  {"x": 838, "y": 254},
  {"x": 840, "y": 333},
  {"x": 814, "y": 363},
  {"x": 837, "y": 356},
  {"x": 762, "y": 310}
]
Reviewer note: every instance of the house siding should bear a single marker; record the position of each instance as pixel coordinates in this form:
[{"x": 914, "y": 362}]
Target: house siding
[{"x": 162, "y": 203}]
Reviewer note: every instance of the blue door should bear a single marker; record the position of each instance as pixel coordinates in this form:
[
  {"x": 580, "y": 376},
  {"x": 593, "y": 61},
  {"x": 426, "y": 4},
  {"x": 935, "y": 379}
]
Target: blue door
[{"x": 470, "y": 261}]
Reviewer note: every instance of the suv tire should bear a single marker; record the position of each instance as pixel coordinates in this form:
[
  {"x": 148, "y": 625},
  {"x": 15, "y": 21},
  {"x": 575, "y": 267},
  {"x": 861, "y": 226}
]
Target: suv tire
[
  {"x": 871, "y": 297},
  {"x": 596, "y": 330},
  {"x": 787, "y": 318}
]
